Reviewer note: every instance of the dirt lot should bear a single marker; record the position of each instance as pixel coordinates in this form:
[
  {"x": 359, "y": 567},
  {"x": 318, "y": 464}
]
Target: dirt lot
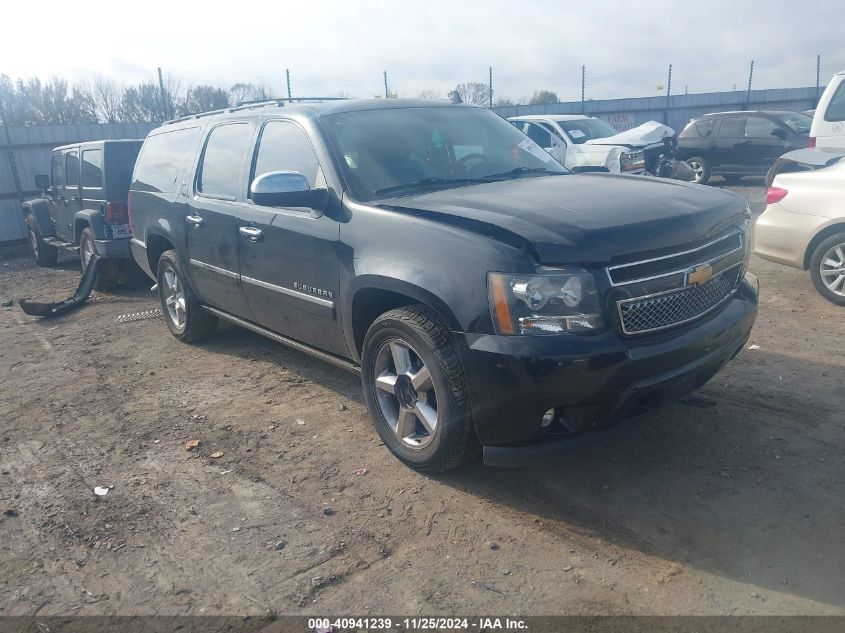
[{"x": 732, "y": 502}]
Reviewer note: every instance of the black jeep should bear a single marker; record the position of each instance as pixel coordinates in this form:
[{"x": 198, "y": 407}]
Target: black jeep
[
  {"x": 84, "y": 207},
  {"x": 486, "y": 295}
]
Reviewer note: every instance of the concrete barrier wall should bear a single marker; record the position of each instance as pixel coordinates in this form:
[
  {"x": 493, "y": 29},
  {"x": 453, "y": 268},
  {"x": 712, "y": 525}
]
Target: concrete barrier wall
[{"x": 30, "y": 149}]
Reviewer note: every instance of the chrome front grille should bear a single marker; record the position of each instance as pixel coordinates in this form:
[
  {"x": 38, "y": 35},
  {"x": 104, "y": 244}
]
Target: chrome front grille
[
  {"x": 647, "y": 314},
  {"x": 662, "y": 292}
]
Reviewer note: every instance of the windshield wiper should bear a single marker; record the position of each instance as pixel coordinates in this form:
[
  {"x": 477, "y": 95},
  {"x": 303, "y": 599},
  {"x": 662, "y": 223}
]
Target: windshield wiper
[
  {"x": 427, "y": 182},
  {"x": 518, "y": 172}
]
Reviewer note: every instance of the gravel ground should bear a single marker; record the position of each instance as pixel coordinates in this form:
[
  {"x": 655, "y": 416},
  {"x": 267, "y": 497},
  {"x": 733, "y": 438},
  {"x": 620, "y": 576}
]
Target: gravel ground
[{"x": 731, "y": 502}]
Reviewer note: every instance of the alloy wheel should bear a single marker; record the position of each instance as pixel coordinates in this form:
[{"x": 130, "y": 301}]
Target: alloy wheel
[
  {"x": 174, "y": 298},
  {"x": 405, "y": 393},
  {"x": 33, "y": 242},
  {"x": 697, "y": 169},
  {"x": 832, "y": 269}
]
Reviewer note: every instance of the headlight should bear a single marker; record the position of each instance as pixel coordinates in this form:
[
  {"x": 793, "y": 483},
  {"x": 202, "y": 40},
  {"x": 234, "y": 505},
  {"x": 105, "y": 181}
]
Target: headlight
[
  {"x": 548, "y": 302},
  {"x": 746, "y": 245},
  {"x": 632, "y": 160}
]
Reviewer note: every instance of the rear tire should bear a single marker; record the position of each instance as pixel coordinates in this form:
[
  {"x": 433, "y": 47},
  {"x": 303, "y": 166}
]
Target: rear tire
[
  {"x": 108, "y": 270},
  {"x": 827, "y": 269},
  {"x": 701, "y": 169},
  {"x": 182, "y": 309},
  {"x": 416, "y": 392},
  {"x": 43, "y": 253}
]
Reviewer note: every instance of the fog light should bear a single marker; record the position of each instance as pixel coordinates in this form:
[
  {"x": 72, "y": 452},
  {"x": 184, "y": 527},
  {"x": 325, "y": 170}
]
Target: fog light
[{"x": 548, "y": 418}]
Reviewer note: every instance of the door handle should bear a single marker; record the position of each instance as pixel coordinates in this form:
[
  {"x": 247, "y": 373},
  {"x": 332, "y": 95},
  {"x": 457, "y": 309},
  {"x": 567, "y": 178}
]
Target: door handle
[
  {"x": 251, "y": 233},
  {"x": 194, "y": 220}
]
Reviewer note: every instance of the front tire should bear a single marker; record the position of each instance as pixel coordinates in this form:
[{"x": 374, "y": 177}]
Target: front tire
[
  {"x": 43, "y": 253},
  {"x": 416, "y": 392},
  {"x": 182, "y": 309},
  {"x": 107, "y": 270},
  {"x": 827, "y": 269},
  {"x": 700, "y": 168}
]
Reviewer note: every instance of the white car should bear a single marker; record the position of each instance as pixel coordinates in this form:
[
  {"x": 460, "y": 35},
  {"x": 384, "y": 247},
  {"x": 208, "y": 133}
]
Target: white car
[
  {"x": 828, "y": 129},
  {"x": 803, "y": 225},
  {"x": 583, "y": 142}
]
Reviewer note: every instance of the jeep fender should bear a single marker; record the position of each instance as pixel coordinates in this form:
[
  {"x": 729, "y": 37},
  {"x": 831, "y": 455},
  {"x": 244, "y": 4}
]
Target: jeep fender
[
  {"x": 92, "y": 218},
  {"x": 39, "y": 209}
]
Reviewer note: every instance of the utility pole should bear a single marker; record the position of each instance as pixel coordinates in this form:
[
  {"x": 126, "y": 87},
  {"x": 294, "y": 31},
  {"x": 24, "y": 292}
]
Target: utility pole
[
  {"x": 490, "y": 88},
  {"x": 165, "y": 98},
  {"x": 668, "y": 94},
  {"x": 583, "y": 83},
  {"x": 750, "y": 77},
  {"x": 386, "y": 91},
  {"x": 818, "y": 74},
  {"x": 287, "y": 78}
]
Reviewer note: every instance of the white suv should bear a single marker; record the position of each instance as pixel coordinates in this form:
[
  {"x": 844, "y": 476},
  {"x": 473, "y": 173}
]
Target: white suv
[{"x": 828, "y": 129}]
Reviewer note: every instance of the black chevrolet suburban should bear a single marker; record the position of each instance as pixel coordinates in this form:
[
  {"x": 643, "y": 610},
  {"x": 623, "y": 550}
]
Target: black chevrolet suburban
[
  {"x": 487, "y": 296},
  {"x": 83, "y": 207}
]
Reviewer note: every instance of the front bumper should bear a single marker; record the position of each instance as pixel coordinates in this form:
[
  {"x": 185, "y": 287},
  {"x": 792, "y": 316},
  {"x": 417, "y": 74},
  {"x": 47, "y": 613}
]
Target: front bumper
[
  {"x": 113, "y": 249},
  {"x": 598, "y": 379}
]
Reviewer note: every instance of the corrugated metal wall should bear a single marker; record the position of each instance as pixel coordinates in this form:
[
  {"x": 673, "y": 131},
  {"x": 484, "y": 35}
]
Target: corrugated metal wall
[
  {"x": 624, "y": 114},
  {"x": 31, "y": 148}
]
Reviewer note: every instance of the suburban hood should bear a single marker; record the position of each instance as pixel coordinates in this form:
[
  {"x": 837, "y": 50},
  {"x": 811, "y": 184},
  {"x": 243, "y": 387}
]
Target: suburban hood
[
  {"x": 589, "y": 218},
  {"x": 648, "y": 133}
]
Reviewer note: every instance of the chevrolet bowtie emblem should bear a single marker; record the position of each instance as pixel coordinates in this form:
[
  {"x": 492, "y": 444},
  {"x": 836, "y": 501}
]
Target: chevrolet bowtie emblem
[{"x": 699, "y": 275}]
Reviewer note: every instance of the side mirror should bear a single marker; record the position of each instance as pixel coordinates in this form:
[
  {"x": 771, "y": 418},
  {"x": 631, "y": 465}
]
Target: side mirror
[
  {"x": 286, "y": 189},
  {"x": 42, "y": 182}
]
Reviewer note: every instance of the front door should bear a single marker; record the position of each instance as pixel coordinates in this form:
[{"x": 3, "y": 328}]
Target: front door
[
  {"x": 767, "y": 142},
  {"x": 211, "y": 218},
  {"x": 56, "y": 193},
  {"x": 288, "y": 256}
]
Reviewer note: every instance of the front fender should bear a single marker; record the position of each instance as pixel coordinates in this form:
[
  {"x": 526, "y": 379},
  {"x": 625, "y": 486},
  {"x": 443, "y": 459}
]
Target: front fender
[{"x": 39, "y": 209}]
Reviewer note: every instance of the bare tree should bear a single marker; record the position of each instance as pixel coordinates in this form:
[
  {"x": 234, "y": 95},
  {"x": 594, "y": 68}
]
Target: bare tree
[
  {"x": 108, "y": 98},
  {"x": 430, "y": 94},
  {"x": 543, "y": 96},
  {"x": 203, "y": 99},
  {"x": 473, "y": 93},
  {"x": 502, "y": 102}
]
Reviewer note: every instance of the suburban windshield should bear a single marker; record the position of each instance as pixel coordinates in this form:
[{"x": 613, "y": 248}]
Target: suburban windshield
[
  {"x": 798, "y": 122},
  {"x": 582, "y": 130},
  {"x": 401, "y": 151}
]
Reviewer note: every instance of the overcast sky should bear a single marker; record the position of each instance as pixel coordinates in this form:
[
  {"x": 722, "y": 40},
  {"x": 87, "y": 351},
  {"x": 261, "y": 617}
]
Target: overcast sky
[{"x": 343, "y": 46}]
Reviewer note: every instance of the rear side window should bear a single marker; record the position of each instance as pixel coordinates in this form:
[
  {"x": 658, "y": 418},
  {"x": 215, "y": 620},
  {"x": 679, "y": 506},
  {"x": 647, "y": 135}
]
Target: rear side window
[
  {"x": 72, "y": 169},
  {"x": 836, "y": 108},
  {"x": 220, "y": 173},
  {"x": 57, "y": 171},
  {"x": 760, "y": 127},
  {"x": 92, "y": 168},
  {"x": 704, "y": 127},
  {"x": 283, "y": 146},
  {"x": 164, "y": 158},
  {"x": 732, "y": 126}
]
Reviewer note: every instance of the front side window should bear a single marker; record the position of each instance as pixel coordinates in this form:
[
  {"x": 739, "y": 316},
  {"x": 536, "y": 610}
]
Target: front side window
[
  {"x": 732, "y": 126},
  {"x": 92, "y": 168},
  {"x": 72, "y": 169},
  {"x": 283, "y": 146},
  {"x": 704, "y": 127},
  {"x": 798, "y": 122},
  {"x": 761, "y": 127},
  {"x": 220, "y": 174},
  {"x": 539, "y": 135},
  {"x": 400, "y": 151},
  {"x": 57, "y": 171},
  {"x": 164, "y": 158}
]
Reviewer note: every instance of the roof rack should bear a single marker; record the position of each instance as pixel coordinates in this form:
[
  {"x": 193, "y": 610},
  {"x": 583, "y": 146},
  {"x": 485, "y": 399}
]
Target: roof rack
[{"x": 249, "y": 105}]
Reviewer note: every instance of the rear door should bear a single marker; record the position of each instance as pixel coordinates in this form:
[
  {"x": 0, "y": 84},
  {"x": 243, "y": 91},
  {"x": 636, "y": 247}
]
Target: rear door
[
  {"x": 729, "y": 143},
  {"x": 71, "y": 197},
  {"x": 212, "y": 220},
  {"x": 288, "y": 256}
]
